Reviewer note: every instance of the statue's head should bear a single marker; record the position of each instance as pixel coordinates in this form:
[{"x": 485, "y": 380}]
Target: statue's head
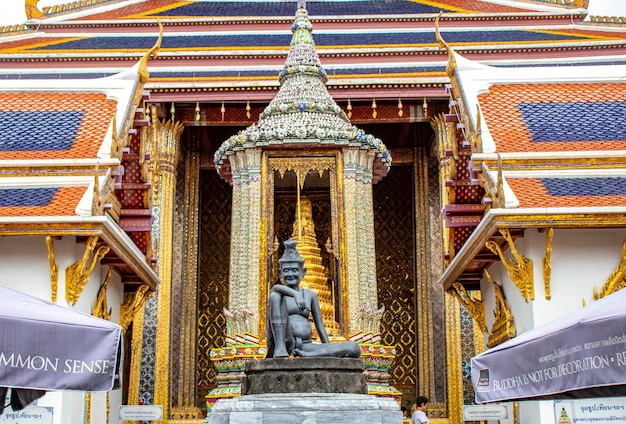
[{"x": 291, "y": 264}]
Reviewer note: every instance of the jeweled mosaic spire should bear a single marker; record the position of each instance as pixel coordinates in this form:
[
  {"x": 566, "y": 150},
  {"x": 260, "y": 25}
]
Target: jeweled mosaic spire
[{"x": 303, "y": 113}]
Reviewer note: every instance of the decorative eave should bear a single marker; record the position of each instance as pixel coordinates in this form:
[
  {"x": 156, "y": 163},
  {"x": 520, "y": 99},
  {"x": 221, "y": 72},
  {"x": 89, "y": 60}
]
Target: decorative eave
[
  {"x": 82, "y": 9},
  {"x": 505, "y": 212},
  {"x": 258, "y": 92},
  {"x": 33, "y": 13},
  {"x": 17, "y": 29},
  {"x": 468, "y": 265},
  {"x": 68, "y": 167},
  {"x": 94, "y": 174},
  {"x": 124, "y": 253},
  {"x": 470, "y": 79},
  {"x": 610, "y": 20},
  {"x": 503, "y": 49},
  {"x": 533, "y": 162}
]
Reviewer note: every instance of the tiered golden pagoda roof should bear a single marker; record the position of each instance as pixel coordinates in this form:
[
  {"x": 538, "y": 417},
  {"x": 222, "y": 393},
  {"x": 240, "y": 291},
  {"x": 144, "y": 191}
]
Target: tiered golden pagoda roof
[{"x": 303, "y": 114}]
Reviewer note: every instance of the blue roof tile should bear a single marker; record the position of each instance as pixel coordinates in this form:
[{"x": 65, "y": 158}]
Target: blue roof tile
[
  {"x": 38, "y": 131},
  {"x": 27, "y": 196},
  {"x": 246, "y": 41},
  {"x": 609, "y": 186},
  {"x": 558, "y": 122},
  {"x": 231, "y": 73},
  {"x": 315, "y": 8}
]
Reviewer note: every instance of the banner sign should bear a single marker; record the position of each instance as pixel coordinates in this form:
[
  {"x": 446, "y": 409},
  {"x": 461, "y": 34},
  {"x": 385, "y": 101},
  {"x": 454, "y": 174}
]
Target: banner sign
[{"x": 596, "y": 356}]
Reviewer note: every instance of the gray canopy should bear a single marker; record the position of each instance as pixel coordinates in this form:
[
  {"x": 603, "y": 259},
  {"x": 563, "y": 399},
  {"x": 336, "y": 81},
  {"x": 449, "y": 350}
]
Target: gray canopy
[
  {"x": 579, "y": 355},
  {"x": 46, "y": 346}
]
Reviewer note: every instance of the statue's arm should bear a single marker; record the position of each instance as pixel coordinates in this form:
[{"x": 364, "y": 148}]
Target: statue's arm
[
  {"x": 288, "y": 291},
  {"x": 317, "y": 317}
]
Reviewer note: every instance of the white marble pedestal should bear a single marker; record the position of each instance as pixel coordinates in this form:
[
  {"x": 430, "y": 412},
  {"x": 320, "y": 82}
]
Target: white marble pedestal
[{"x": 306, "y": 408}]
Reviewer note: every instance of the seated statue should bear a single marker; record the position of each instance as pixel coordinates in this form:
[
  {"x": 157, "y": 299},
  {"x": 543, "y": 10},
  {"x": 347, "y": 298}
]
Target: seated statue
[{"x": 288, "y": 309}]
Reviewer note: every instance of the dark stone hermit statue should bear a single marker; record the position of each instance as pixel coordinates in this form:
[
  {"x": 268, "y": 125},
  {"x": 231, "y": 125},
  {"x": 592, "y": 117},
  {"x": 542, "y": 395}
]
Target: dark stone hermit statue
[{"x": 288, "y": 309}]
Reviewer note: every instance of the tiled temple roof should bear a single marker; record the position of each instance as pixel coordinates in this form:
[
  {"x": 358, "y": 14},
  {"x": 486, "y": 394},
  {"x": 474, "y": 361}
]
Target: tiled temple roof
[
  {"x": 66, "y": 157},
  {"x": 40, "y": 201},
  {"x": 215, "y": 47},
  {"x": 556, "y": 117},
  {"x": 61, "y": 127},
  {"x": 53, "y": 125},
  {"x": 334, "y": 9},
  {"x": 569, "y": 192},
  {"x": 546, "y": 149},
  {"x": 382, "y": 38}
]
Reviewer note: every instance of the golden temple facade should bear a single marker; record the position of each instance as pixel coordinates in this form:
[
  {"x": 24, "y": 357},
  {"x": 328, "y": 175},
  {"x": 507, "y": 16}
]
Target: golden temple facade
[{"x": 353, "y": 146}]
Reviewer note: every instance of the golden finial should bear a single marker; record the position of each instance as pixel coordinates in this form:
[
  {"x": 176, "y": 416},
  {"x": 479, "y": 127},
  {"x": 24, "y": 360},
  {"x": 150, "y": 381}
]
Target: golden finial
[
  {"x": 349, "y": 108},
  {"x": 425, "y": 108},
  {"x": 144, "y": 75},
  {"x": 400, "y": 111},
  {"x": 31, "y": 10},
  {"x": 116, "y": 146},
  {"x": 374, "y": 113},
  {"x": 197, "y": 111},
  {"x": 96, "y": 189},
  {"x": 443, "y": 45},
  {"x": 173, "y": 111},
  {"x": 248, "y": 109},
  {"x": 223, "y": 110}
]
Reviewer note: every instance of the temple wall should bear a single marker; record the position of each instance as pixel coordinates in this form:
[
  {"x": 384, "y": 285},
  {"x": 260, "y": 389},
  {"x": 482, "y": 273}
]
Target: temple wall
[
  {"x": 25, "y": 267},
  {"x": 582, "y": 259}
]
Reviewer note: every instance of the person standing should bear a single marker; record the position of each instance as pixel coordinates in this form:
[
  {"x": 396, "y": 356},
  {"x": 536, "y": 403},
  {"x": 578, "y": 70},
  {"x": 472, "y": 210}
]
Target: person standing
[{"x": 419, "y": 416}]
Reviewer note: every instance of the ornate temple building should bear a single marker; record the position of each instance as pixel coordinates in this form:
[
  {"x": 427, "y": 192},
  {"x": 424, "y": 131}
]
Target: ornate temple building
[{"x": 425, "y": 154}]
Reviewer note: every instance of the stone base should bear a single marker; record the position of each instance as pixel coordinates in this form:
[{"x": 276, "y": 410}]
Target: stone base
[
  {"x": 306, "y": 408},
  {"x": 304, "y": 375}
]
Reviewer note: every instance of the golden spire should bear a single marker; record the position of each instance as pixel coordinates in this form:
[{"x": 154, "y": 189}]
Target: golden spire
[{"x": 444, "y": 45}]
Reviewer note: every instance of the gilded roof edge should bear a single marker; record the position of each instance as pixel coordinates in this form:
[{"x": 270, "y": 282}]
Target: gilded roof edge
[{"x": 497, "y": 218}]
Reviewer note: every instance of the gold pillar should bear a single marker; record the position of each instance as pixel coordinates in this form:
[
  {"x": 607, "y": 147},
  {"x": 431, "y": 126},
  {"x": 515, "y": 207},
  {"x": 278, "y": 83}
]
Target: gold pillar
[
  {"x": 135, "y": 355},
  {"x": 245, "y": 252},
  {"x": 425, "y": 355},
  {"x": 455, "y": 371},
  {"x": 359, "y": 262},
  {"x": 188, "y": 337},
  {"x": 166, "y": 136}
]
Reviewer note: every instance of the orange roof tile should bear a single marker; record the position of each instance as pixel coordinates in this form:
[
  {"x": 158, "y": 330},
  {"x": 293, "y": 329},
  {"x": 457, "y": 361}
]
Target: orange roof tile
[
  {"x": 62, "y": 203},
  {"x": 536, "y": 193}
]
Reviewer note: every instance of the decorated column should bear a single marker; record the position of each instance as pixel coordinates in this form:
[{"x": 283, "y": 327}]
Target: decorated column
[
  {"x": 245, "y": 256},
  {"x": 360, "y": 262},
  {"x": 166, "y": 136}
]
